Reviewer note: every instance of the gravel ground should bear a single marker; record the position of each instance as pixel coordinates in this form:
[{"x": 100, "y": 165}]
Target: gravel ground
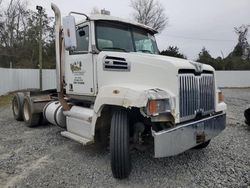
[{"x": 41, "y": 157}]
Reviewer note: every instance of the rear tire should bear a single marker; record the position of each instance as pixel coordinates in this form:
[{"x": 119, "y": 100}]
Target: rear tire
[
  {"x": 17, "y": 106},
  {"x": 203, "y": 145},
  {"x": 119, "y": 145},
  {"x": 31, "y": 119}
]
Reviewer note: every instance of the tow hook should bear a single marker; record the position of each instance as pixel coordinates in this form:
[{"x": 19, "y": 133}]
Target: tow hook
[{"x": 200, "y": 137}]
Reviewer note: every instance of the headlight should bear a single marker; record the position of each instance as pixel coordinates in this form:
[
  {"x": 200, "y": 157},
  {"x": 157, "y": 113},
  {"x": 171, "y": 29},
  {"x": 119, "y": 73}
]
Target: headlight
[{"x": 158, "y": 106}]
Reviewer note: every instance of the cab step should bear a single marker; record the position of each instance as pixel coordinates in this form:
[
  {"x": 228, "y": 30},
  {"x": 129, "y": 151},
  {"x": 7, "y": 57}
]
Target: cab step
[
  {"x": 78, "y": 121},
  {"x": 76, "y": 138}
]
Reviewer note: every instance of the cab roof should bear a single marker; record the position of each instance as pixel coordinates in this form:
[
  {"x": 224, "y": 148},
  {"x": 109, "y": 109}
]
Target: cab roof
[{"x": 95, "y": 17}]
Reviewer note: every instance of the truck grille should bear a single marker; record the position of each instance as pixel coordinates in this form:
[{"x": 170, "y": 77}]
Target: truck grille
[{"x": 197, "y": 95}]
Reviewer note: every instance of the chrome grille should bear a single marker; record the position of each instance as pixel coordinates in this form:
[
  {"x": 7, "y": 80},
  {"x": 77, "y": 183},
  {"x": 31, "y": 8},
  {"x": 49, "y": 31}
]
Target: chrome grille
[{"x": 197, "y": 95}]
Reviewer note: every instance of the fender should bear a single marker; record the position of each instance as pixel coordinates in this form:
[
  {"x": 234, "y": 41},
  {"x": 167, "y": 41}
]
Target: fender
[{"x": 127, "y": 96}]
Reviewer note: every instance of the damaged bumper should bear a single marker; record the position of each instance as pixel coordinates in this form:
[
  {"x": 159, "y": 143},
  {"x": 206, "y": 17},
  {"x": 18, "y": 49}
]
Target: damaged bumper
[{"x": 186, "y": 136}]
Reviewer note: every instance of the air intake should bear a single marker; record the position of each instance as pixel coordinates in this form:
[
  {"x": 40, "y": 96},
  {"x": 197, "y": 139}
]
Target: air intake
[{"x": 115, "y": 64}]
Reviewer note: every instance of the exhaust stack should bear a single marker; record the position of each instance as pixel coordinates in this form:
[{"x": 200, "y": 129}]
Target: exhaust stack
[
  {"x": 58, "y": 47},
  {"x": 59, "y": 57}
]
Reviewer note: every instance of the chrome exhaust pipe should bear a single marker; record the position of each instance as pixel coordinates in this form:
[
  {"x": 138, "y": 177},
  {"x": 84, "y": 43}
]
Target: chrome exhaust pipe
[
  {"x": 58, "y": 26},
  {"x": 59, "y": 57}
]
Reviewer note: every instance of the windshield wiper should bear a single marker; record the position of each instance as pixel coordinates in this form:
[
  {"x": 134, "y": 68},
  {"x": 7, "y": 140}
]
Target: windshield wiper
[
  {"x": 114, "y": 48},
  {"x": 145, "y": 51}
]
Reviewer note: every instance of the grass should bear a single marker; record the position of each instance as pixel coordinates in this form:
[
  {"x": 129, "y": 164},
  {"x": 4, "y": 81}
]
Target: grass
[{"x": 5, "y": 100}]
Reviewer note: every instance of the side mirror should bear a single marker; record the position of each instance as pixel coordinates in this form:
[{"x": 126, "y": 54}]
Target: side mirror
[{"x": 69, "y": 31}]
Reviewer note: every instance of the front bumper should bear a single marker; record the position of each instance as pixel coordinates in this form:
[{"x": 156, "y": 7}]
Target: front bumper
[{"x": 186, "y": 136}]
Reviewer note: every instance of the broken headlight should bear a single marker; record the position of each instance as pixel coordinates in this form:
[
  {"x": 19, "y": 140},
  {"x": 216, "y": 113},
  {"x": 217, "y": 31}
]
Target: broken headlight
[{"x": 158, "y": 106}]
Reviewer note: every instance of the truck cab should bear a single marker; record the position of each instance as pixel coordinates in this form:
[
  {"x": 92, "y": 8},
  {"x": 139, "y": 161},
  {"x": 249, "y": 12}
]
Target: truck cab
[
  {"x": 103, "y": 45},
  {"x": 115, "y": 89}
]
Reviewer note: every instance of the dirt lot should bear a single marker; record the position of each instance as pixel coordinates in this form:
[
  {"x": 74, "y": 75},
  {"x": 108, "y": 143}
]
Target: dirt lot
[{"x": 41, "y": 157}]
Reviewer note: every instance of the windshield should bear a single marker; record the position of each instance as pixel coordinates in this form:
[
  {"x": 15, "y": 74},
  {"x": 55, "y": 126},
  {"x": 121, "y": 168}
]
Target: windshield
[{"x": 113, "y": 36}]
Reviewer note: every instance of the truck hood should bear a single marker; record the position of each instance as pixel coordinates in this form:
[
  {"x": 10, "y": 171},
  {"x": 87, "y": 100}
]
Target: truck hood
[
  {"x": 145, "y": 70},
  {"x": 167, "y": 61}
]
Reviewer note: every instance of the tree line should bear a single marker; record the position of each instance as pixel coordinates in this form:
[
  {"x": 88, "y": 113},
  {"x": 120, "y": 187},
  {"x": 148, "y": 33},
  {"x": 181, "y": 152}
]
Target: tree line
[
  {"x": 152, "y": 13},
  {"x": 19, "y": 37},
  {"x": 238, "y": 59}
]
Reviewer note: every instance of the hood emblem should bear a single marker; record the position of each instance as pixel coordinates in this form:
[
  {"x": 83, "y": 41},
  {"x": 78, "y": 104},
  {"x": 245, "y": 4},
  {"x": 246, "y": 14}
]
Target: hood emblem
[{"x": 198, "y": 66}]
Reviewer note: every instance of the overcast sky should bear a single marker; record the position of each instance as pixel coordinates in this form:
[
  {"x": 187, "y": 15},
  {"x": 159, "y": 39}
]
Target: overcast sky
[{"x": 193, "y": 24}]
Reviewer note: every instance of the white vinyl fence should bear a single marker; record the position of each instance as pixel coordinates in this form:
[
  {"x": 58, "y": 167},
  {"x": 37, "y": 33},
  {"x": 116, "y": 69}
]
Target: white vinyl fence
[
  {"x": 233, "y": 78},
  {"x": 17, "y": 79}
]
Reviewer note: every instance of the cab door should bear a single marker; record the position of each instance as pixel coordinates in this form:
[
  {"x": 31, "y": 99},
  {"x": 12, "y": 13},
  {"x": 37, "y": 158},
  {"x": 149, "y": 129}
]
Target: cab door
[{"x": 79, "y": 64}]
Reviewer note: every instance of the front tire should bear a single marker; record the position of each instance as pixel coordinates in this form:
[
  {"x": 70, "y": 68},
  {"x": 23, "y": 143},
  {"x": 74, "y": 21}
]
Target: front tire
[{"x": 119, "y": 145}]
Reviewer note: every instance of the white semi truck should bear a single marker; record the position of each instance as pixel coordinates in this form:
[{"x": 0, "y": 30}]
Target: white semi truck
[{"x": 114, "y": 88}]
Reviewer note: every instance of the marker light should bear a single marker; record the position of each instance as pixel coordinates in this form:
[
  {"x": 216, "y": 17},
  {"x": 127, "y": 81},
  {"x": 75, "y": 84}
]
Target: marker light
[
  {"x": 158, "y": 106},
  {"x": 220, "y": 97}
]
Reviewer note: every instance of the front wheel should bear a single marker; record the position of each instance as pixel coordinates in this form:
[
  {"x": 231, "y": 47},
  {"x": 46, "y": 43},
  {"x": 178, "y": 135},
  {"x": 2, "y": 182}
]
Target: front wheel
[{"x": 119, "y": 145}]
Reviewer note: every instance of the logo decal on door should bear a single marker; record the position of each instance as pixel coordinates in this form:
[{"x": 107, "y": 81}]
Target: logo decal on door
[
  {"x": 76, "y": 68},
  {"x": 78, "y": 72}
]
